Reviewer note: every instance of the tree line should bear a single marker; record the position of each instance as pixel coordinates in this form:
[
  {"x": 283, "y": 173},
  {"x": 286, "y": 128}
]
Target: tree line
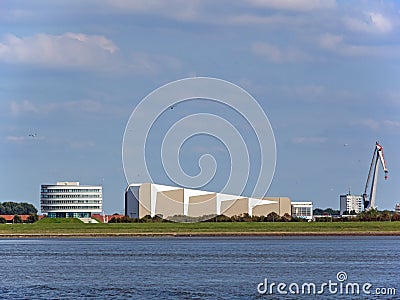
[
  {"x": 271, "y": 217},
  {"x": 365, "y": 216},
  {"x": 326, "y": 211},
  {"x": 15, "y": 208}
]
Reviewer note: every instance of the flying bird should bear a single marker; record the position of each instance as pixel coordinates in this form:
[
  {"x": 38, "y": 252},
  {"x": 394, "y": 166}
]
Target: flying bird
[{"x": 33, "y": 135}]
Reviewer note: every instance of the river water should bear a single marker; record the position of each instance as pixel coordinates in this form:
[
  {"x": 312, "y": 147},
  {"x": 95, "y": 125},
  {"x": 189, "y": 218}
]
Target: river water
[{"x": 200, "y": 268}]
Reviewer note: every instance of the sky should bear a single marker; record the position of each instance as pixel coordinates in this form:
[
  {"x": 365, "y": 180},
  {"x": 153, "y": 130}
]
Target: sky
[{"x": 326, "y": 74}]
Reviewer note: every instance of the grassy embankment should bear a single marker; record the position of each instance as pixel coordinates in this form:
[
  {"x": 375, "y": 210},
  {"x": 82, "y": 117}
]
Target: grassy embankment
[{"x": 73, "y": 227}]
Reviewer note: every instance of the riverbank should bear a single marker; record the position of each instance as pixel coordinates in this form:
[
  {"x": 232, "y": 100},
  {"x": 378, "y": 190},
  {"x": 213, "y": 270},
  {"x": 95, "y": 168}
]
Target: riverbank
[
  {"x": 193, "y": 234},
  {"x": 75, "y": 228}
]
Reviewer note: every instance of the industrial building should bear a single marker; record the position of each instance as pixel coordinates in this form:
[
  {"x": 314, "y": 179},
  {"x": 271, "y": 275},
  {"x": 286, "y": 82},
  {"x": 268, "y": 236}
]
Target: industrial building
[
  {"x": 70, "y": 200},
  {"x": 167, "y": 201},
  {"x": 350, "y": 203}
]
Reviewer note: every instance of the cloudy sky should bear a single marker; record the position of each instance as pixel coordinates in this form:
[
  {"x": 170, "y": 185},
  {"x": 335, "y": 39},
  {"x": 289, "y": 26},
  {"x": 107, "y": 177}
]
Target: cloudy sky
[{"x": 326, "y": 73}]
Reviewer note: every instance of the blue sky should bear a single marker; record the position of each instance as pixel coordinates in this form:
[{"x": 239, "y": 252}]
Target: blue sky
[{"x": 326, "y": 73}]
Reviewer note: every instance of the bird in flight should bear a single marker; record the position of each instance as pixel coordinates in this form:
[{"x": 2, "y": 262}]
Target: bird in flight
[{"x": 33, "y": 135}]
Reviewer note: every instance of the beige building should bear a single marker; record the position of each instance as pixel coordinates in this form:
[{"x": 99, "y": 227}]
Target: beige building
[{"x": 154, "y": 199}]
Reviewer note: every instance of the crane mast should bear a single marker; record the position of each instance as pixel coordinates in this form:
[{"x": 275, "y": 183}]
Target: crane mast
[{"x": 378, "y": 155}]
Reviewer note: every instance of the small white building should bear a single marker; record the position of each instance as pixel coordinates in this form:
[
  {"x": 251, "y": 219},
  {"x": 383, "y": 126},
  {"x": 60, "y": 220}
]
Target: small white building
[
  {"x": 71, "y": 200},
  {"x": 349, "y": 203},
  {"x": 302, "y": 210},
  {"x": 397, "y": 208}
]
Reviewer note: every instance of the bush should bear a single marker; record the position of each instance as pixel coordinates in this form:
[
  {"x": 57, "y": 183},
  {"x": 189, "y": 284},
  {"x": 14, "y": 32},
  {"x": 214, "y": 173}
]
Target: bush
[
  {"x": 396, "y": 217},
  {"x": 2, "y": 220},
  {"x": 17, "y": 219},
  {"x": 286, "y": 218},
  {"x": 296, "y": 219},
  {"x": 273, "y": 217},
  {"x": 32, "y": 218}
]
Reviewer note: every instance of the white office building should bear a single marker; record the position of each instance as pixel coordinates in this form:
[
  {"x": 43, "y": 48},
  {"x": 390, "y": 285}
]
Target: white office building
[
  {"x": 351, "y": 203},
  {"x": 302, "y": 210},
  {"x": 71, "y": 200}
]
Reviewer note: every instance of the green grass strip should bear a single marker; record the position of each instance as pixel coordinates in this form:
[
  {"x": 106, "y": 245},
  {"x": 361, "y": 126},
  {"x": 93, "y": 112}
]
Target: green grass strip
[{"x": 74, "y": 226}]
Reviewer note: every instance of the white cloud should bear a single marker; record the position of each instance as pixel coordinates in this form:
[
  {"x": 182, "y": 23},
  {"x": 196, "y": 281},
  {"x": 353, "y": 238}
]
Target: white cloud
[
  {"x": 337, "y": 44},
  {"x": 174, "y": 9},
  {"x": 249, "y": 19},
  {"x": 275, "y": 54},
  {"x": 16, "y": 139},
  {"x": 330, "y": 41},
  {"x": 67, "y": 50},
  {"x": 21, "y": 139},
  {"x": 307, "y": 91},
  {"x": 390, "y": 98},
  {"x": 295, "y": 5},
  {"x": 81, "y": 145},
  {"x": 152, "y": 64},
  {"x": 24, "y": 107},
  {"x": 87, "y": 106},
  {"x": 377, "y": 124},
  {"x": 371, "y": 23},
  {"x": 309, "y": 140},
  {"x": 80, "y": 51},
  {"x": 391, "y": 123},
  {"x": 371, "y": 124}
]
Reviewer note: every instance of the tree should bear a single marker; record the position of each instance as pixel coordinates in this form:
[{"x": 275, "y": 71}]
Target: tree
[
  {"x": 245, "y": 217},
  {"x": 273, "y": 217},
  {"x": 327, "y": 211},
  {"x": 223, "y": 218},
  {"x": 386, "y": 215},
  {"x": 286, "y": 218},
  {"x": 17, "y": 219},
  {"x": 32, "y": 218},
  {"x": 370, "y": 215},
  {"x": 396, "y": 217},
  {"x": 126, "y": 219},
  {"x": 318, "y": 211},
  {"x": 14, "y": 208},
  {"x": 2, "y": 220},
  {"x": 113, "y": 220}
]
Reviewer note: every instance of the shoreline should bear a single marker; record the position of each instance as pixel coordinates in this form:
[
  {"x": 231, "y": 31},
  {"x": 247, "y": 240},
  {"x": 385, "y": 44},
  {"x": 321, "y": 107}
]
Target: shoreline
[{"x": 194, "y": 234}]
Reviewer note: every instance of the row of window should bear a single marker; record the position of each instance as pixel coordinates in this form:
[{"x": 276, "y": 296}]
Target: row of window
[
  {"x": 70, "y": 201},
  {"x": 301, "y": 211},
  {"x": 68, "y": 215},
  {"x": 44, "y": 208},
  {"x": 356, "y": 208},
  {"x": 71, "y": 196},
  {"x": 71, "y": 190}
]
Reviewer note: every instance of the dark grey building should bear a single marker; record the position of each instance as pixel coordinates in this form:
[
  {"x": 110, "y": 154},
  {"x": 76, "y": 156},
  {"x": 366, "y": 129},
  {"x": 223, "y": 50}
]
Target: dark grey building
[{"x": 132, "y": 201}]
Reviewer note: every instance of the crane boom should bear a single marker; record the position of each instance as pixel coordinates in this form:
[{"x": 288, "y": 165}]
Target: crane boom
[{"x": 378, "y": 155}]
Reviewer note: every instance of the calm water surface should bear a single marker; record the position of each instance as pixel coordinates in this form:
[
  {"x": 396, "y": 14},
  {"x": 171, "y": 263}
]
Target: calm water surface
[{"x": 192, "y": 268}]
